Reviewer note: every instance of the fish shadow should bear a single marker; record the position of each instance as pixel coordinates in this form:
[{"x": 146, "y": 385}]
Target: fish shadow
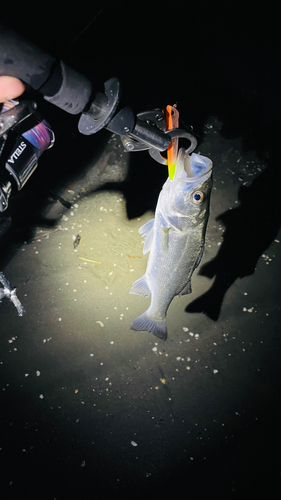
[
  {"x": 66, "y": 161},
  {"x": 141, "y": 185},
  {"x": 249, "y": 230},
  {"x": 249, "y": 108}
]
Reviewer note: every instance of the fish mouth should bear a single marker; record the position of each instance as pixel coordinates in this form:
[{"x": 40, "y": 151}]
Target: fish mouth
[{"x": 195, "y": 166}]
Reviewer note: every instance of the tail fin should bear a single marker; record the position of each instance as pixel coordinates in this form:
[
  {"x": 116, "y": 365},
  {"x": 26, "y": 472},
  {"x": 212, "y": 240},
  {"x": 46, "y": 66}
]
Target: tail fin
[{"x": 146, "y": 324}]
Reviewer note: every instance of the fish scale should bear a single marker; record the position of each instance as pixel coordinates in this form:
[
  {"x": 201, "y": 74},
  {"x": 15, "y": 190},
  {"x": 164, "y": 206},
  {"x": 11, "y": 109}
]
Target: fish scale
[{"x": 175, "y": 240}]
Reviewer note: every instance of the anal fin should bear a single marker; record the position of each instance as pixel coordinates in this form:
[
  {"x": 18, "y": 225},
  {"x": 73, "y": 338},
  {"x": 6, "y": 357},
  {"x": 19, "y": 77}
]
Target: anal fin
[{"x": 140, "y": 287}]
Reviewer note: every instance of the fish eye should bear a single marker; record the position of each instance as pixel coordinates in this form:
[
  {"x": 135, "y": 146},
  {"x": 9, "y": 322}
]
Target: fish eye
[{"x": 197, "y": 197}]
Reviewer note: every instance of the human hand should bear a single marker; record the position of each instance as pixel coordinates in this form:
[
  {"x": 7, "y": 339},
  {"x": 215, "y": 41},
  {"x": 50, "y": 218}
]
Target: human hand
[{"x": 10, "y": 88}]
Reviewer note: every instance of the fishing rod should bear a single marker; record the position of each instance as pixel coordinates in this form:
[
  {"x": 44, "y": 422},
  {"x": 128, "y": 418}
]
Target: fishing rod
[{"x": 25, "y": 135}]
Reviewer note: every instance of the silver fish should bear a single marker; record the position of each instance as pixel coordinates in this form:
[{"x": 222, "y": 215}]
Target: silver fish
[{"x": 175, "y": 239}]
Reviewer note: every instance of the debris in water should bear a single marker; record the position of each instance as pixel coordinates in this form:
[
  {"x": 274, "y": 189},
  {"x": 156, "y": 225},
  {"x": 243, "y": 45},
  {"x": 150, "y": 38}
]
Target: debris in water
[
  {"x": 248, "y": 310},
  {"x": 89, "y": 260},
  {"x": 100, "y": 323},
  {"x": 8, "y": 291},
  {"x": 76, "y": 241}
]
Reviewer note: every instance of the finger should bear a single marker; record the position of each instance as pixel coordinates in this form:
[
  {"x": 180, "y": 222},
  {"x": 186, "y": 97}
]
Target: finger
[{"x": 10, "y": 88}]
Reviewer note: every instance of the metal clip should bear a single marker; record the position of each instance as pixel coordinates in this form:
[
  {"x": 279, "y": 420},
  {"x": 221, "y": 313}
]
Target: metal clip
[
  {"x": 148, "y": 131},
  {"x": 176, "y": 133}
]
